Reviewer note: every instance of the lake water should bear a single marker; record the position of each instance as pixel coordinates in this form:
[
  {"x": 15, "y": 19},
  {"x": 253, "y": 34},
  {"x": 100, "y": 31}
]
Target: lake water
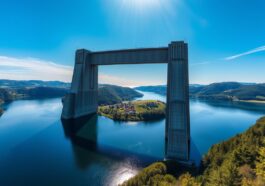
[{"x": 36, "y": 148}]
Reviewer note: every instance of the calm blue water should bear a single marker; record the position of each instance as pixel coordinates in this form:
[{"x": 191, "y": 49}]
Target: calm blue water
[{"x": 36, "y": 148}]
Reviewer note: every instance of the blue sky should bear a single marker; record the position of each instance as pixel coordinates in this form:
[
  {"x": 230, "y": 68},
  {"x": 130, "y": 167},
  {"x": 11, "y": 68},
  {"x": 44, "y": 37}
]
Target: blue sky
[{"x": 226, "y": 38}]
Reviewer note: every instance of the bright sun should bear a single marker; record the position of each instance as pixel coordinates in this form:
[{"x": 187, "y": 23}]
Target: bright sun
[
  {"x": 142, "y": 5},
  {"x": 144, "y": 2}
]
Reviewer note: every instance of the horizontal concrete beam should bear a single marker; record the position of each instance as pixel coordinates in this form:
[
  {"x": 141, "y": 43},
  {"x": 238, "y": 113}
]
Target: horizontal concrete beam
[{"x": 130, "y": 56}]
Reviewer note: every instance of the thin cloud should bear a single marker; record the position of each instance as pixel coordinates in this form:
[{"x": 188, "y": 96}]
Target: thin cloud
[
  {"x": 31, "y": 68},
  {"x": 207, "y": 62},
  {"x": 36, "y": 69},
  {"x": 259, "y": 49},
  {"x": 109, "y": 79},
  {"x": 115, "y": 80},
  {"x": 255, "y": 50},
  {"x": 201, "y": 63}
]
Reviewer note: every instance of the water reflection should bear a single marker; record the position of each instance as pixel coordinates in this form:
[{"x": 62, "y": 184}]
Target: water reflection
[
  {"x": 83, "y": 134},
  {"x": 86, "y": 133},
  {"x": 37, "y": 149},
  {"x": 151, "y": 122},
  {"x": 232, "y": 105},
  {"x": 71, "y": 129}
]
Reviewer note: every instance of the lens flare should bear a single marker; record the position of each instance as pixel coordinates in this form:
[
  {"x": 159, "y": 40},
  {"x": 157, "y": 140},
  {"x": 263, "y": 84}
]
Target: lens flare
[{"x": 142, "y": 5}]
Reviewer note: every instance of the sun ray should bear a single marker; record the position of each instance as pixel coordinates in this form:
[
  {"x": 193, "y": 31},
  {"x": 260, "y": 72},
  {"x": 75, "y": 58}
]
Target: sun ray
[{"x": 142, "y": 6}]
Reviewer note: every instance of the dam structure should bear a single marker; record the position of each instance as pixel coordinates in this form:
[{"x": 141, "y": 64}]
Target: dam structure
[{"x": 82, "y": 98}]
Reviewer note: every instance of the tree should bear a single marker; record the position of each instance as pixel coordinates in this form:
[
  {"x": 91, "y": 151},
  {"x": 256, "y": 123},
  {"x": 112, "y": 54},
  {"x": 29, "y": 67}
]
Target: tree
[
  {"x": 225, "y": 175},
  {"x": 187, "y": 180},
  {"x": 260, "y": 165}
]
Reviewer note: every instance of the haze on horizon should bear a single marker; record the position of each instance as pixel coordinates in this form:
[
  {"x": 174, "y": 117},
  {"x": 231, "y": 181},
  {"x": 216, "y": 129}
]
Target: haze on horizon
[{"x": 38, "y": 38}]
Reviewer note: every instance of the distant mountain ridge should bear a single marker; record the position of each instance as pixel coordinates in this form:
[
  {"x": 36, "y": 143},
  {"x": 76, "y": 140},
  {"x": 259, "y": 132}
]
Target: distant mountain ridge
[
  {"x": 158, "y": 89},
  {"x": 32, "y": 83},
  {"x": 112, "y": 94},
  {"x": 11, "y": 90},
  {"x": 34, "y": 89},
  {"x": 218, "y": 91}
]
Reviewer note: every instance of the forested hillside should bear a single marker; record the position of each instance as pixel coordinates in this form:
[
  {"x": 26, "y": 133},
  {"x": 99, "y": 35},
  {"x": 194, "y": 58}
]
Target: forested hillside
[
  {"x": 32, "y": 83},
  {"x": 237, "y": 161},
  {"x": 11, "y": 90},
  {"x": 112, "y": 94},
  {"x": 232, "y": 91},
  {"x": 159, "y": 89},
  {"x": 11, "y": 94}
]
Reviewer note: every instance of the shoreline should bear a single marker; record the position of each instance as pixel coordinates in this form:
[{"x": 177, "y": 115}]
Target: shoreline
[
  {"x": 138, "y": 110},
  {"x": 137, "y": 120},
  {"x": 229, "y": 100},
  {"x": 250, "y": 101},
  {"x": 210, "y": 99}
]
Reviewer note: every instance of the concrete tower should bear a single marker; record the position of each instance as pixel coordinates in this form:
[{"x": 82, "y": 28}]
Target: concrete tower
[{"x": 177, "y": 115}]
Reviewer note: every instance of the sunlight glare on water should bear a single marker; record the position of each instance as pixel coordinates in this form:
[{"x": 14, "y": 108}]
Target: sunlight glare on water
[{"x": 122, "y": 175}]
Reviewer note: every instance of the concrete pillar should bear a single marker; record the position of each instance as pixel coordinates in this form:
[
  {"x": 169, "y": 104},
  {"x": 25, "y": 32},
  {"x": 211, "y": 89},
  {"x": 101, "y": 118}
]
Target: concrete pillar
[
  {"x": 82, "y": 98},
  {"x": 177, "y": 114}
]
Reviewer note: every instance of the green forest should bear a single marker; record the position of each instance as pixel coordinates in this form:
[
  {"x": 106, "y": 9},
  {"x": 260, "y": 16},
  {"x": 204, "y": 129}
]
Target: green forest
[
  {"x": 239, "y": 161},
  {"x": 12, "y": 90},
  {"x": 224, "y": 91},
  {"x": 112, "y": 94}
]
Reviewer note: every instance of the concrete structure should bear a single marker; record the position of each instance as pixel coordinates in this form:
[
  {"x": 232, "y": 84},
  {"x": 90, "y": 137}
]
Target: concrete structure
[{"x": 82, "y": 99}]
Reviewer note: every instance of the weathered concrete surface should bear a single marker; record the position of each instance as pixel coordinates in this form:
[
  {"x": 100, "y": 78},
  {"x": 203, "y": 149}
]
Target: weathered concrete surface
[
  {"x": 131, "y": 56},
  {"x": 82, "y": 99},
  {"x": 177, "y": 115}
]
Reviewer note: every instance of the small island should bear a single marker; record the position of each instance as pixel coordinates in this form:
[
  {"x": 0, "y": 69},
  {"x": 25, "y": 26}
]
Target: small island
[{"x": 141, "y": 110}]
